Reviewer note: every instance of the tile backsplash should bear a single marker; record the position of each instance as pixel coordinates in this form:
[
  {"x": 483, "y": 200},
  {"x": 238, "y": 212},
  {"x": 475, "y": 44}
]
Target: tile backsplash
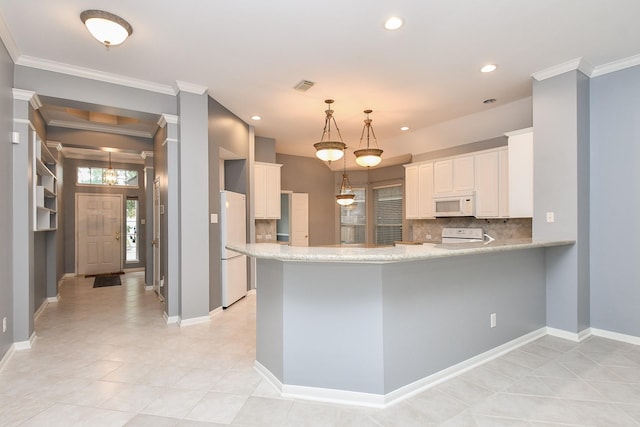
[
  {"x": 265, "y": 230},
  {"x": 499, "y": 229}
]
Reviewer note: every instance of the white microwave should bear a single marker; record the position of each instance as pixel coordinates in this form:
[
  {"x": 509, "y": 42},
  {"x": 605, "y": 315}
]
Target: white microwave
[{"x": 458, "y": 204}]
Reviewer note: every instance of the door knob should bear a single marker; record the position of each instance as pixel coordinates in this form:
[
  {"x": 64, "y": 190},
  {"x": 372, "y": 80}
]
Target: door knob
[
  {"x": 117, "y": 235},
  {"x": 154, "y": 242}
]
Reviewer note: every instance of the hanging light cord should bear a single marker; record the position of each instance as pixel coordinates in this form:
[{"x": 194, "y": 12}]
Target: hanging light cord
[
  {"x": 327, "y": 125},
  {"x": 368, "y": 127}
]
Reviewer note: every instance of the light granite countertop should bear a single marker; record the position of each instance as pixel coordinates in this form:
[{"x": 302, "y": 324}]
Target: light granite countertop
[{"x": 384, "y": 254}]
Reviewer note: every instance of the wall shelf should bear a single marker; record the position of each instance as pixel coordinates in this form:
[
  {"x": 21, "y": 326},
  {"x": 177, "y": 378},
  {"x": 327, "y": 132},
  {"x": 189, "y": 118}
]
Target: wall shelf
[{"x": 45, "y": 191}]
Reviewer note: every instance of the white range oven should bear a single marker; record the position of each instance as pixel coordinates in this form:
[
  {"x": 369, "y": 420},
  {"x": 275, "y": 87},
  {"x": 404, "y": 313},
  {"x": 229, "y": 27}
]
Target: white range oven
[{"x": 465, "y": 235}]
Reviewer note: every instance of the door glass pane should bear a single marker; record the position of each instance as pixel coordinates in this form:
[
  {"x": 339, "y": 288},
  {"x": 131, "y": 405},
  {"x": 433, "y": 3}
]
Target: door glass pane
[
  {"x": 132, "y": 231},
  {"x": 353, "y": 219},
  {"x": 387, "y": 205}
]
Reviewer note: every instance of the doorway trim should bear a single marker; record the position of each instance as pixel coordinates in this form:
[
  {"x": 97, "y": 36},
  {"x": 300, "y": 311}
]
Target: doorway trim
[{"x": 155, "y": 239}]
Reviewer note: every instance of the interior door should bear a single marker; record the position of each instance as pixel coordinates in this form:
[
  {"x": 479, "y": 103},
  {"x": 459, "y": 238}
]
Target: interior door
[
  {"x": 299, "y": 219},
  {"x": 156, "y": 238},
  {"x": 99, "y": 231}
]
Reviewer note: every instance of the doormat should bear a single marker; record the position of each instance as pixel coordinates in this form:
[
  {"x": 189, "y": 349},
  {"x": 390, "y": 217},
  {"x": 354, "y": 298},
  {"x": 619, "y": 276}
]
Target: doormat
[
  {"x": 103, "y": 281},
  {"x": 104, "y": 274}
]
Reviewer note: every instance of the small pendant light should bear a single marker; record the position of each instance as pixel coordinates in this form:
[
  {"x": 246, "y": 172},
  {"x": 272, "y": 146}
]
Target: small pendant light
[
  {"x": 346, "y": 196},
  {"x": 368, "y": 157},
  {"x": 110, "y": 177}
]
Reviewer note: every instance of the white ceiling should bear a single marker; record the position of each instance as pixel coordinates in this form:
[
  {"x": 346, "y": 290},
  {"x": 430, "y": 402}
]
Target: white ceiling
[{"x": 250, "y": 54}]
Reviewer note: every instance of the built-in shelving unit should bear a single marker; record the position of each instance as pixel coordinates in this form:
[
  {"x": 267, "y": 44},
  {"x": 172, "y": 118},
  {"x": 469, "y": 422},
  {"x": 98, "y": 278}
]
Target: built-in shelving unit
[{"x": 45, "y": 190}]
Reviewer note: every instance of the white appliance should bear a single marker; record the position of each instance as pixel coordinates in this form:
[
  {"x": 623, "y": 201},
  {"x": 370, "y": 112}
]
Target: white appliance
[
  {"x": 465, "y": 235},
  {"x": 458, "y": 204},
  {"x": 233, "y": 223}
]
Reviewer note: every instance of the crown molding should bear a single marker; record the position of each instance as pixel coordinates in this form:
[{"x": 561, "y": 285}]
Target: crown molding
[
  {"x": 575, "y": 64},
  {"x": 191, "y": 87},
  {"x": 167, "y": 118},
  {"x": 88, "y": 73},
  {"x": 7, "y": 39},
  {"x": 27, "y": 95},
  {"x": 99, "y": 128},
  {"x": 145, "y": 154},
  {"x": 611, "y": 67},
  {"x": 55, "y": 145}
]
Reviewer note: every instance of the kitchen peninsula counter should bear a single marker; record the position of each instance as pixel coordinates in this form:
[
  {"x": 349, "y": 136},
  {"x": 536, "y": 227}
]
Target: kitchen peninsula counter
[{"x": 372, "y": 325}]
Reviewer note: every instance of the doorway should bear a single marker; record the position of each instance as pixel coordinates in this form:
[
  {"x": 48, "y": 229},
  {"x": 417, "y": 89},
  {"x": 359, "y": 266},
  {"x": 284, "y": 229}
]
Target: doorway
[{"x": 99, "y": 233}]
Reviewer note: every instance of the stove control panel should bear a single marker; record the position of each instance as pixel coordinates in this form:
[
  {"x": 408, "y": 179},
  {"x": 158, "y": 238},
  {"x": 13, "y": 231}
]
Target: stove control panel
[{"x": 463, "y": 233}]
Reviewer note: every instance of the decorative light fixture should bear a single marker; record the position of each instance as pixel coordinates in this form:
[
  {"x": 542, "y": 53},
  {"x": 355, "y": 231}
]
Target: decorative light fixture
[
  {"x": 368, "y": 156},
  {"x": 110, "y": 177},
  {"x": 346, "y": 196},
  {"x": 107, "y": 28},
  {"x": 327, "y": 149}
]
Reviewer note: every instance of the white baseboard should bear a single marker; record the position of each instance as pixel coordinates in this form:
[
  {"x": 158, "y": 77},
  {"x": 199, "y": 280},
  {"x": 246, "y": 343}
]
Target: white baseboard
[
  {"x": 7, "y": 356},
  {"x": 25, "y": 345},
  {"x": 215, "y": 311},
  {"x": 630, "y": 339},
  {"x": 383, "y": 400},
  {"x": 54, "y": 299},
  {"x": 170, "y": 319},
  {"x": 40, "y": 309},
  {"x": 148, "y": 288},
  {"x": 251, "y": 292},
  {"x": 570, "y": 336},
  {"x": 193, "y": 321}
]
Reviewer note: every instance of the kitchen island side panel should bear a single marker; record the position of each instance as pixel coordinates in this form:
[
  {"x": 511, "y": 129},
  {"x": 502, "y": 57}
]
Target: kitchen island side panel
[
  {"x": 269, "y": 316},
  {"x": 333, "y": 326},
  {"x": 437, "y": 312}
]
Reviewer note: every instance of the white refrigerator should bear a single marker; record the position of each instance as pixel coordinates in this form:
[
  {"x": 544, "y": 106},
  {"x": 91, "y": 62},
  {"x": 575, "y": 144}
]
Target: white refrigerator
[{"x": 233, "y": 223}]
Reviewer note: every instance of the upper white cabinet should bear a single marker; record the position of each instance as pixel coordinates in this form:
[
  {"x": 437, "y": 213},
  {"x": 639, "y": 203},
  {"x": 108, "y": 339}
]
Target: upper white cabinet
[
  {"x": 455, "y": 174},
  {"x": 419, "y": 190},
  {"x": 492, "y": 185},
  {"x": 267, "y": 190},
  {"x": 45, "y": 188},
  {"x": 521, "y": 173}
]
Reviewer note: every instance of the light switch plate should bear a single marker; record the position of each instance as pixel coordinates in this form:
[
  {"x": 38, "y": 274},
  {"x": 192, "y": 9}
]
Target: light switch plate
[
  {"x": 551, "y": 217},
  {"x": 214, "y": 218}
]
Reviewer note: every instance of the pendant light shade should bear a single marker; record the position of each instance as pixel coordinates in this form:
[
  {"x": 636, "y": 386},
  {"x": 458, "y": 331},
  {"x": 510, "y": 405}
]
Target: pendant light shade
[
  {"x": 107, "y": 28},
  {"x": 369, "y": 156},
  {"x": 327, "y": 149},
  {"x": 110, "y": 177},
  {"x": 346, "y": 196}
]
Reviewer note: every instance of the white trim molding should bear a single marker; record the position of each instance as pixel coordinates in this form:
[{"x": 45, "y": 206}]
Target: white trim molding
[
  {"x": 25, "y": 345},
  {"x": 215, "y": 312},
  {"x": 570, "y": 336},
  {"x": 40, "y": 309},
  {"x": 384, "y": 400},
  {"x": 630, "y": 339},
  {"x": 88, "y": 73},
  {"x": 99, "y": 128},
  {"x": 171, "y": 320},
  {"x": 190, "y": 87},
  {"x": 556, "y": 70},
  {"x": 168, "y": 118},
  {"x": 8, "y": 40},
  {"x": 519, "y": 132},
  {"x": 27, "y": 95},
  {"x": 53, "y": 300},
  {"x": 7, "y": 356},
  {"x": 193, "y": 321}
]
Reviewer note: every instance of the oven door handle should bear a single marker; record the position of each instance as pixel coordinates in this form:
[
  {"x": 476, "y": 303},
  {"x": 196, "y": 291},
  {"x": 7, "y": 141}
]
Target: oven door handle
[{"x": 489, "y": 238}]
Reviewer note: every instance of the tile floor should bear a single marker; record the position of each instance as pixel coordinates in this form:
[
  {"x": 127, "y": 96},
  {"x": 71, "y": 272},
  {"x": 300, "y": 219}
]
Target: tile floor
[{"x": 105, "y": 357}]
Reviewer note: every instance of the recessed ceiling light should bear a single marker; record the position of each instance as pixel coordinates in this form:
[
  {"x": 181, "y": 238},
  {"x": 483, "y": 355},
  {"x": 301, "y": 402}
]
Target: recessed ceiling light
[
  {"x": 488, "y": 68},
  {"x": 403, "y": 128},
  {"x": 393, "y": 23},
  {"x": 489, "y": 101},
  {"x": 256, "y": 117}
]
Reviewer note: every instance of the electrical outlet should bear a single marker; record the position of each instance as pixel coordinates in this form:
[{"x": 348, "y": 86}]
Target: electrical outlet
[
  {"x": 493, "y": 320},
  {"x": 428, "y": 236},
  {"x": 4, "y": 325},
  {"x": 162, "y": 282},
  {"x": 551, "y": 217}
]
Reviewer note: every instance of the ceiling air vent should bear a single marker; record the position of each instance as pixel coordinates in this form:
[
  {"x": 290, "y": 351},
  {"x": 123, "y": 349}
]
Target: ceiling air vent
[{"x": 304, "y": 85}]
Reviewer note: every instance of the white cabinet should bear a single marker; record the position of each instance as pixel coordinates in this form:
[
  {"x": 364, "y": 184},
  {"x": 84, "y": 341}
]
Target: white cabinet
[
  {"x": 521, "y": 173},
  {"x": 452, "y": 175},
  {"x": 419, "y": 190},
  {"x": 492, "y": 185},
  {"x": 45, "y": 188},
  {"x": 266, "y": 186}
]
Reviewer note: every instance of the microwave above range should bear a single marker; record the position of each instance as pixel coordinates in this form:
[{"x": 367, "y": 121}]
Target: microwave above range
[{"x": 454, "y": 204}]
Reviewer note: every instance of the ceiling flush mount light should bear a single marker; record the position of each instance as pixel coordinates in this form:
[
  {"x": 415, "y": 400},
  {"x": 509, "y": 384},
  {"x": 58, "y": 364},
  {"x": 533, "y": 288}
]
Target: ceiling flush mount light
[
  {"x": 256, "y": 117},
  {"x": 393, "y": 23},
  {"x": 327, "y": 149},
  {"x": 488, "y": 68},
  {"x": 107, "y": 28},
  {"x": 346, "y": 195},
  {"x": 110, "y": 177},
  {"x": 404, "y": 128},
  {"x": 368, "y": 156}
]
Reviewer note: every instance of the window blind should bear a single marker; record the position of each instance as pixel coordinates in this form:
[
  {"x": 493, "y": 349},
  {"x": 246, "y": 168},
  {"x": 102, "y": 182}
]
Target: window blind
[{"x": 387, "y": 205}]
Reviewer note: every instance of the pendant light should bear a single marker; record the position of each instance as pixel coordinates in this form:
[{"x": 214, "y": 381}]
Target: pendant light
[
  {"x": 110, "y": 177},
  {"x": 368, "y": 157},
  {"x": 346, "y": 196},
  {"x": 328, "y": 150},
  {"x": 107, "y": 28}
]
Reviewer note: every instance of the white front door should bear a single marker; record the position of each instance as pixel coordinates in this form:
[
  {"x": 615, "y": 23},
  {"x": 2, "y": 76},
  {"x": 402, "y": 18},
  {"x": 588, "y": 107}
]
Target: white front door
[
  {"x": 299, "y": 219},
  {"x": 99, "y": 232},
  {"x": 156, "y": 237}
]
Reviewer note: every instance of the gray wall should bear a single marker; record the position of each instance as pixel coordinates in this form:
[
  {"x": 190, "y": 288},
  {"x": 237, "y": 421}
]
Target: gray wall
[
  {"x": 265, "y": 149},
  {"x": 615, "y": 201},
  {"x": 6, "y": 127},
  {"x": 561, "y": 185},
  {"x": 226, "y": 131},
  {"x": 70, "y": 189},
  {"x": 310, "y": 175}
]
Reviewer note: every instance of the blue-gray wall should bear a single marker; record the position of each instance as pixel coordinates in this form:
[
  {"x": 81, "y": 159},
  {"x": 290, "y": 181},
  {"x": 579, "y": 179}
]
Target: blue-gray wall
[
  {"x": 615, "y": 201},
  {"x": 6, "y": 127}
]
